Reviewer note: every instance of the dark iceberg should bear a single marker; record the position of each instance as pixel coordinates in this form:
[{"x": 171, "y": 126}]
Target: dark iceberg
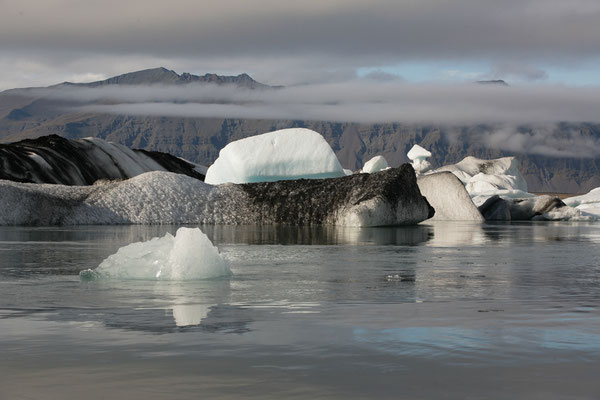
[
  {"x": 389, "y": 197},
  {"x": 54, "y": 159}
]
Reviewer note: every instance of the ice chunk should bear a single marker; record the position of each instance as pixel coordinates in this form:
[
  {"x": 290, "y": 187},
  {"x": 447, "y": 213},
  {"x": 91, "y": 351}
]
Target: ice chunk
[
  {"x": 501, "y": 173},
  {"x": 189, "y": 255},
  {"x": 417, "y": 152},
  {"x": 375, "y": 164},
  {"x": 448, "y": 197},
  {"x": 280, "y": 155},
  {"x": 418, "y": 156},
  {"x": 588, "y": 204}
]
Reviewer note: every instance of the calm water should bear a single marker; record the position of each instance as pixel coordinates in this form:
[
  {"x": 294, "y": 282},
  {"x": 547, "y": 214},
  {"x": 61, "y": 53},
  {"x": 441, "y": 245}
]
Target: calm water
[{"x": 445, "y": 310}]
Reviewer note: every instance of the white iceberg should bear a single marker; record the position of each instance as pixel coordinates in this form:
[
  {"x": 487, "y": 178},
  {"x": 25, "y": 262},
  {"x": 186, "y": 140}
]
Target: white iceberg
[
  {"x": 448, "y": 197},
  {"x": 488, "y": 176},
  {"x": 588, "y": 204},
  {"x": 280, "y": 155},
  {"x": 418, "y": 155},
  {"x": 375, "y": 164},
  {"x": 189, "y": 255}
]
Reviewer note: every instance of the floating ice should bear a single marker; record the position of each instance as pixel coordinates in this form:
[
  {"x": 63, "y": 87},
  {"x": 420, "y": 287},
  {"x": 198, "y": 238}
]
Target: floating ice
[
  {"x": 588, "y": 204},
  {"x": 488, "y": 176},
  {"x": 418, "y": 156},
  {"x": 390, "y": 197},
  {"x": 280, "y": 155},
  {"x": 448, "y": 197},
  {"x": 375, "y": 164},
  {"x": 189, "y": 255}
]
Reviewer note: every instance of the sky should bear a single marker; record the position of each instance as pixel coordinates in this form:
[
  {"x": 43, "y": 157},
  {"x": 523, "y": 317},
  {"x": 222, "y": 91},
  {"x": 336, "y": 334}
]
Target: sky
[{"x": 524, "y": 42}]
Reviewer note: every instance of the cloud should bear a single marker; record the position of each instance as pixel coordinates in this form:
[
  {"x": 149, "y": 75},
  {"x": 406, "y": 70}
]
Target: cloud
[
  {"x": 291, "y": 42},
  {"x": 544, "y": 140},
  {"x": 517, "y": 71},
  {"x": 366, "y": 101},
  {"x": 382, "y": 76}
]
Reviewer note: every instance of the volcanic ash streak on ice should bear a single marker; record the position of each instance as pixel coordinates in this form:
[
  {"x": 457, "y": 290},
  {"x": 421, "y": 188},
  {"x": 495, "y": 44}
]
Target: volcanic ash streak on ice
[{"x": 189, "y": 255}]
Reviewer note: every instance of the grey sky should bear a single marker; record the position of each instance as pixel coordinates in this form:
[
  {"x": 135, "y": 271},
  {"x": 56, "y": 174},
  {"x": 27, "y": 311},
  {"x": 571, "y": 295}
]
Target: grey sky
[{"x": 47, "y": 41}]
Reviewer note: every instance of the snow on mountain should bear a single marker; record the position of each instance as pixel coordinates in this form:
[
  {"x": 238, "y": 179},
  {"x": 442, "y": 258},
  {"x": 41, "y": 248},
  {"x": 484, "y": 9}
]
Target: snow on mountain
[{"x": 280, "y": 155}]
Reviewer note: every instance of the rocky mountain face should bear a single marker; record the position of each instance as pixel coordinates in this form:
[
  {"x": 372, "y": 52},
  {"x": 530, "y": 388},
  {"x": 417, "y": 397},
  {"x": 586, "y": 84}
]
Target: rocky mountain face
[{"x": 25, "y": 113}]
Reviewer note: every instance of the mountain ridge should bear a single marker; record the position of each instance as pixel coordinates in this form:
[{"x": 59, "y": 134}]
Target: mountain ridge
[{"x": 22, "y": 115}]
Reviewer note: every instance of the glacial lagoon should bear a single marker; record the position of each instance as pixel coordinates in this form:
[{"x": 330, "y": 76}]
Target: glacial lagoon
[{"x": 437, "y": 310}]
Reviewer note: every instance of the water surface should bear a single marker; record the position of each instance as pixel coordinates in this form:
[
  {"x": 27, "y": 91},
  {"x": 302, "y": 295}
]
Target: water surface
[{"x": 444, "y": 310}]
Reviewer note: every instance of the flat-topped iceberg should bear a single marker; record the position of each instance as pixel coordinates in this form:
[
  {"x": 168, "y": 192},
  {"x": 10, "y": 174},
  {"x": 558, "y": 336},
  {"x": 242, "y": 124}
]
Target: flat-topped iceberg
[
  {"x": 375, "y": 164},
  {"x": 389, "y": 197},
  {"x": 418, "y": 155},
  {"x": 286, "y": 154},
  {"x": 189, "y": 255}
]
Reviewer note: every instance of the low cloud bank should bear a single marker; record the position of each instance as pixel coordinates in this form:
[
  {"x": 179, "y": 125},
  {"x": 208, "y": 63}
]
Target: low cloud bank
[
  {"x": 365, "y": 101},
  {"x": 370, "y": 101}
]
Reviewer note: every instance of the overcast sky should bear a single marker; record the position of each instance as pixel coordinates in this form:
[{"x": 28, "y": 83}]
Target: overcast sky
[{"x": 310, "y": 41}]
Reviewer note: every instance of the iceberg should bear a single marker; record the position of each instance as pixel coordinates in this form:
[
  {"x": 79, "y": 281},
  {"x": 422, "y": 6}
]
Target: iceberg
[
  {"x": 53, "y": 159},
  {"x": 189, "y": 255},
  {"x": 286, "y": 154},
  {"x": 588, "y": 204},
  {"x": 499, "y": 191},
  {"x": 390, "y": 197},
  {"x": 418, "y": 155},
  {"x": 375, "y": 164},
  {"x": 536, "y": 208},
  {"x": 448, "y": 197},
  {"x": 488, "y": 176}
]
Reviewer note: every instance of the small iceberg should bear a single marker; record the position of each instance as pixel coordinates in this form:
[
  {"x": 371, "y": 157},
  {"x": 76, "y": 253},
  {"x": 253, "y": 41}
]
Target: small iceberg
[
  {"x": 418, "y": 157},
  {"x": 375, "y": 164},
  {"x": 189, "y": 255}
]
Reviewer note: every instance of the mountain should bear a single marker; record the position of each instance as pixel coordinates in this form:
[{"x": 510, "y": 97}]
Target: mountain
[
  {"x": 163, "y": 76},
  {"x": 25, "y": 113},
  {"x": 498, "y": 82}
]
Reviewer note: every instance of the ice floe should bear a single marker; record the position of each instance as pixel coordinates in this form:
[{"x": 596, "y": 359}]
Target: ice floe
[
  {"x": 286, "y": 154},
  {"x": 189, "y": 255}
]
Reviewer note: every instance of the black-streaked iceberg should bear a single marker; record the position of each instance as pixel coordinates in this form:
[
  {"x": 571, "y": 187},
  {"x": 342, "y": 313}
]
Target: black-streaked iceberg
[{"x": 389, "y": 197}]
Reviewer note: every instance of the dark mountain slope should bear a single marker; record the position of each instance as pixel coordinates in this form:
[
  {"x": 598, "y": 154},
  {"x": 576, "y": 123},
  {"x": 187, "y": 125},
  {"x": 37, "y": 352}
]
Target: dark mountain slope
[{"x": 200, "y": 139}]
